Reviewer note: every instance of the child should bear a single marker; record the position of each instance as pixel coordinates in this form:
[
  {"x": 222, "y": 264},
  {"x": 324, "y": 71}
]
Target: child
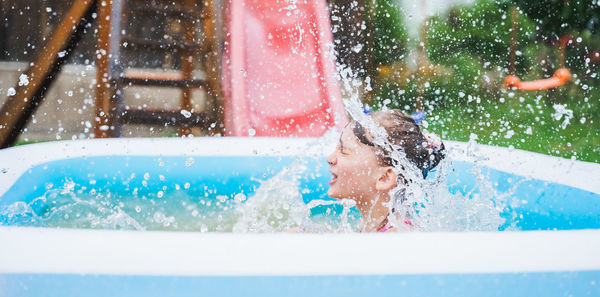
[{"x": 367, "y": 171}]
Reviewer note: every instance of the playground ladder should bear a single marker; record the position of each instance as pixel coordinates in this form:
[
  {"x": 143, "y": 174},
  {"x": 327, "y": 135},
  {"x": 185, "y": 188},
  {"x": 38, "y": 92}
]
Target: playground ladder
[{"x": 113, "y": 76}]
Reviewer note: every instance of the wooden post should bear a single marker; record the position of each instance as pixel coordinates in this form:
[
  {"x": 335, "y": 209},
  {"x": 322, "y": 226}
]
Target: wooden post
[
  {"x": 18, "y": 108},
  {"x": 213, "y": 66},
  {"x": 109, "y": 70},
  {"x": 187, "y": 61}
]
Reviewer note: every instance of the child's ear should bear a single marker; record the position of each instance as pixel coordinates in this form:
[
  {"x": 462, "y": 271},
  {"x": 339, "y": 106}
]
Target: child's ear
[{"x": 387, "y": 179}]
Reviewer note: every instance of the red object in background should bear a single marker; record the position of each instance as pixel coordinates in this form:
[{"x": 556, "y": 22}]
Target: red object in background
[
  {"x": 560, "y": 77},
  {"x": 279, "y": 70}
]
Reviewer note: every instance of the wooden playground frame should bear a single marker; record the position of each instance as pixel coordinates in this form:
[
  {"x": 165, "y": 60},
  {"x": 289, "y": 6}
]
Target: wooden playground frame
[{"x": 111, "y": 74}]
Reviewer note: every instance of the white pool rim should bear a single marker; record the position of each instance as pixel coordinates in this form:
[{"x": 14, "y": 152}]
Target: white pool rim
[
  {"x": 73, "y": 251},
  {"x": 17, "y": 160}
]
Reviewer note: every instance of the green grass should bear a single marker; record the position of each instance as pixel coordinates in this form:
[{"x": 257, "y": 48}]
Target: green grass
[
  {"x": 531, "y": 122},
  {"x": 24, "y": 142}
]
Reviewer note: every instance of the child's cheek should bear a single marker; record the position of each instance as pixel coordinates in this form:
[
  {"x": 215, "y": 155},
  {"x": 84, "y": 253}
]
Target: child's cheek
[{"x": 360, "y": 173}]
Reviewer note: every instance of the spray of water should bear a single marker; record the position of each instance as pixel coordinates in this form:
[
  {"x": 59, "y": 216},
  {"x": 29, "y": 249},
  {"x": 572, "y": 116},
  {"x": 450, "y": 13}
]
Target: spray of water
[
  {"x": 276, "y": 205},
  {"x": 428, "y": 204}
]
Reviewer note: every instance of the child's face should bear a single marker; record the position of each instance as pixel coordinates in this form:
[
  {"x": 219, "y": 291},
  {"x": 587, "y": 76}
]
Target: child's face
[{"x": 354, "y": 169}]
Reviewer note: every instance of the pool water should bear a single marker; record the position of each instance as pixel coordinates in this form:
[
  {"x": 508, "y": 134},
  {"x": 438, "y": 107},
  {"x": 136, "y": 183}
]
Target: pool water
[
  {"x": 266, "y": 194},
  {"x": 204, "y": 194}
]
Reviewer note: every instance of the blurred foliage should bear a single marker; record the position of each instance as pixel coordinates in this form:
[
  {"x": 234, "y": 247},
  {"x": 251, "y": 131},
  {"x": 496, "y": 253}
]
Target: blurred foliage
[
  {"x": 470, "y": 47},
  {"x": 558, "y": 17},
  {"x": 482, "y": 30},
  {"x": 390, "y": 34}
]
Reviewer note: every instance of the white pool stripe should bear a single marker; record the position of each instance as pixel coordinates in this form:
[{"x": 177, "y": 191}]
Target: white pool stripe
[
  {"x": 43, "y": 250},
  {"x": 573, "y": 173},
  {"x": 16, "y": 161}
]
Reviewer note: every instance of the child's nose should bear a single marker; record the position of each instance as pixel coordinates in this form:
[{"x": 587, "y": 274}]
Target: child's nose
[{"x": 331, "y": 158}]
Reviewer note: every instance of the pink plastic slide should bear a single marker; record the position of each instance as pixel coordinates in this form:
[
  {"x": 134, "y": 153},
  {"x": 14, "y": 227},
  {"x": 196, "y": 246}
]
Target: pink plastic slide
[{"x": 279, "y": 70}]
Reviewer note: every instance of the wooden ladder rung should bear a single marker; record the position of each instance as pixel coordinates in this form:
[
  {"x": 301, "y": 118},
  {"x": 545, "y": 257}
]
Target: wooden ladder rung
[
  {"x": 159, "y": 46},
  {"x": 165, "y": 11},
  {"x": 166, "y": 118},
  {"x": 161, "y": 79}
]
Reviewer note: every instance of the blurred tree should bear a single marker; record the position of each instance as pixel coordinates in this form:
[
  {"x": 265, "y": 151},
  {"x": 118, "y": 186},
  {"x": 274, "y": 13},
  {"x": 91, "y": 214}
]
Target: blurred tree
[
  {"x": 386, "y": 43},
  {"x": 481, "y": 30},
  {"x": 390, "y": 35},
  {"x": 577, "y": 19},
  {"x": 469, "y": 52},
  {"x": 356, "y": 46},
  {"x": 558, "y": 17}
]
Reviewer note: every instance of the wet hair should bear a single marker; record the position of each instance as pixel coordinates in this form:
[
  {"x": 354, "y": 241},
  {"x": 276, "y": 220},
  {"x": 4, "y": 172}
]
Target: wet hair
[{"x": 404, "y": 132}]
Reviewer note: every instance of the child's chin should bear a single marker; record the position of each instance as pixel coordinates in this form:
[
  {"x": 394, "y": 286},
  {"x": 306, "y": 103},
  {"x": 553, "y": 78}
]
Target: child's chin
[
  {"x": 333, "y": 194},
  {"x": 330, "y": 193}
]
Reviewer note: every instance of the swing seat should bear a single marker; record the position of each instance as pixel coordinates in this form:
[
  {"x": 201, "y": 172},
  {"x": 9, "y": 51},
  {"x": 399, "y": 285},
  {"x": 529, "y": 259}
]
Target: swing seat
[{"x": 560, "y": 77}]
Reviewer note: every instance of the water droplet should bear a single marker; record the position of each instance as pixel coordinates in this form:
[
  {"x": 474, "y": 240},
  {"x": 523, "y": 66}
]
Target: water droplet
[
  {"x": 189, "y": 161},
  {"x": 23, "y": 80},
  {"x": 239, "y": 197},
  {"x": 186, "y": 113}
]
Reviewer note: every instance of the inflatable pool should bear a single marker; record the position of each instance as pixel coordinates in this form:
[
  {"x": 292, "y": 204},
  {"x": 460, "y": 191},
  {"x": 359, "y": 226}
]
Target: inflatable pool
[{"x": 550, "y": 247}]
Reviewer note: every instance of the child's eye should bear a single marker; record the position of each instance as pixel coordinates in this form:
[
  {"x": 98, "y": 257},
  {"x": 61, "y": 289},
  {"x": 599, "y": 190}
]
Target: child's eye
[{"x": 341, "y": 149}]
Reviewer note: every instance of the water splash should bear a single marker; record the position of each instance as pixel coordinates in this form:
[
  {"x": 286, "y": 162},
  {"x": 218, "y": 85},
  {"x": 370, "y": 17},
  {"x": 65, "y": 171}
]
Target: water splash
[
  {"x": 345, "y": 225},
  {"x": 479, "y": 209},
  {"x": 560, "y": 111},
  {"x": 277, "y": 204},
  {"x": 428, "y": 204}
]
